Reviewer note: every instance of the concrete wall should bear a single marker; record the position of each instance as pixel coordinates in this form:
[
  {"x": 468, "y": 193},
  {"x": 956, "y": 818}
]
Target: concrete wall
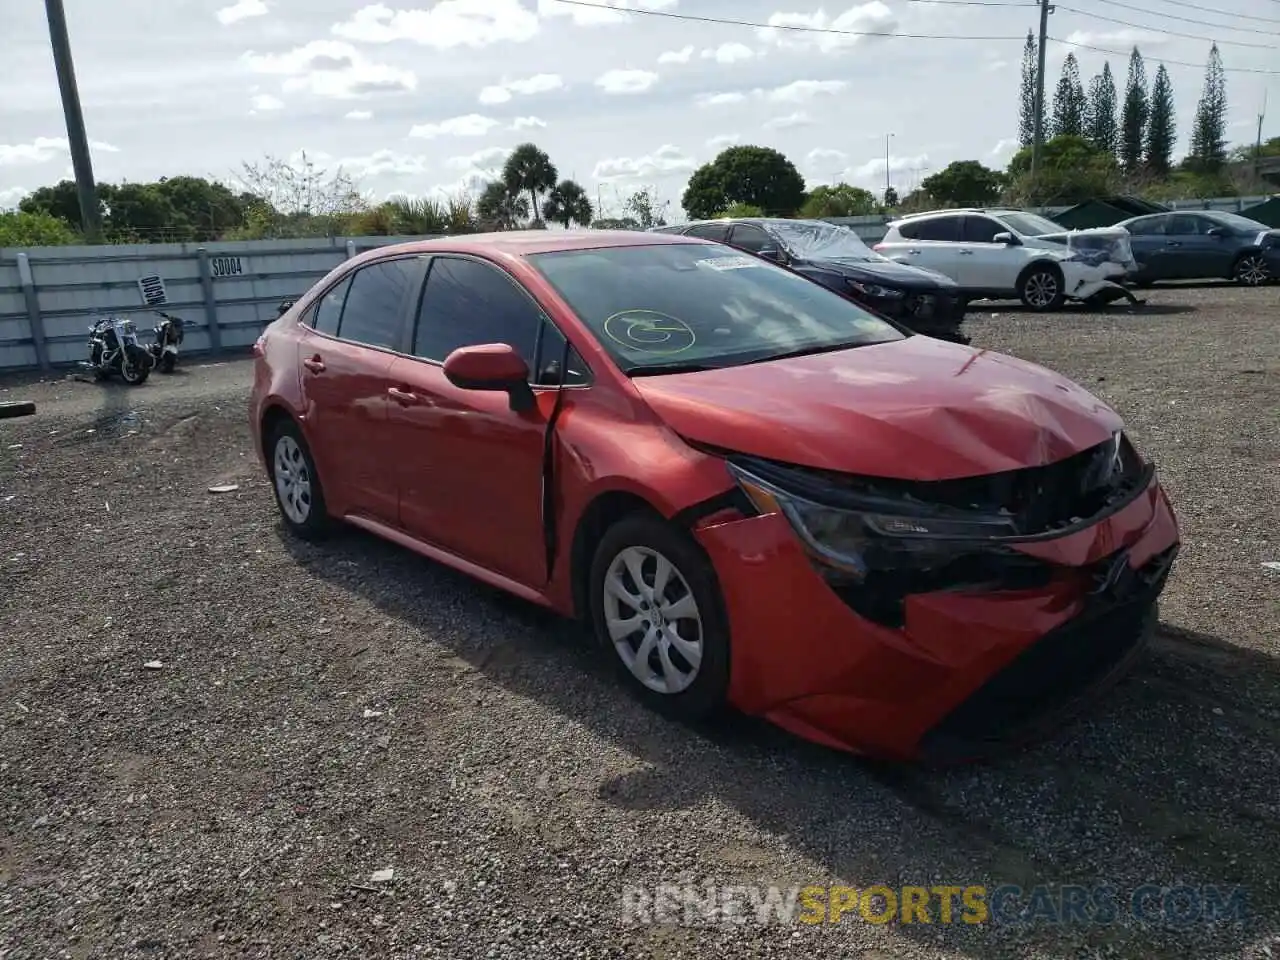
[{"x": 225, "y": 292}]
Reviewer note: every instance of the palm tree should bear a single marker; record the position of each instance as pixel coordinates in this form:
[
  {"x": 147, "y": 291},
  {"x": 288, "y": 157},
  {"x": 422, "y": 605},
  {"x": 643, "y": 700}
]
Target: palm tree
[
  {"x": 567, "y": 203},
  {"x": 529, "y": 170},
  {"x": 501, "y": 207}
]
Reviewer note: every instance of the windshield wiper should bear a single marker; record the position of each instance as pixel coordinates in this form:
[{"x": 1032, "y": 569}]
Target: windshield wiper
[
  {"x": 810, "y": 351},
  {"x": 650, "y": 369}
]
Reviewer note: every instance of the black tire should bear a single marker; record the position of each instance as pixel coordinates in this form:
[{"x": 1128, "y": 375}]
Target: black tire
[
  {"x": 316, "y": 523},
  {"x": 1036, "y": 282},
  {"x": 141, "y": 363},
  {"x": 1251, "y": 270},
  {"x": 167, "y": 362},
  {"x": 16, "y": 408},
  {"x": 706, "y": 696}
]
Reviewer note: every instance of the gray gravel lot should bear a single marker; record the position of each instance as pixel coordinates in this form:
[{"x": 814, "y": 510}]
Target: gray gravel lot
[{"x": 322, "y": 713}]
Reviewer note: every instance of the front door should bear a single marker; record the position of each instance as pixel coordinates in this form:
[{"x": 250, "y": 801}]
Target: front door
[
  {"x": 346, "y": 358},
  {"x": 983, "y": 264},
  {"x": 1192, "y": 253},
  {"x": 471, "y": 469}
]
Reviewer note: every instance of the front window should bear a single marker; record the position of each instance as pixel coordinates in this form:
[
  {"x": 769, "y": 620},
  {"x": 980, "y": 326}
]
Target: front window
[
  {"x": 686, "y": 306},
  {"x": 822, "y": 241},
  {"x": 1029, "y": 224}
]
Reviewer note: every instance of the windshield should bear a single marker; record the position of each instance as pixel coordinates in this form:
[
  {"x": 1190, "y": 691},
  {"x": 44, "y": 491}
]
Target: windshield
[
  {"x": 812, "y": 240},
  {"x": 1236, "y": 222},
  {"x": 695, "y": 305},
  {"x": 1029, "y": 224}
]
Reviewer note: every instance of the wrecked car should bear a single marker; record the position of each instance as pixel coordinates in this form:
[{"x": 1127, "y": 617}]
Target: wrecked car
[{"x": 758, "y": 495}]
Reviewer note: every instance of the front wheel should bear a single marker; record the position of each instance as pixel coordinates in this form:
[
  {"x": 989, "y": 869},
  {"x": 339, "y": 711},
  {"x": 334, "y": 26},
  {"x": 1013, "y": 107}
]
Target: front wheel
[
  {"x": 1040, "y": 288},
  {"x": 1251, "y": 270},
  {"x": 656, "y": 604}
]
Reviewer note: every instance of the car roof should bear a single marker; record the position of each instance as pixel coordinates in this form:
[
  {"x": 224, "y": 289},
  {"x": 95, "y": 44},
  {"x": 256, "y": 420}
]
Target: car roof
[{"x": 520, "y": 243}]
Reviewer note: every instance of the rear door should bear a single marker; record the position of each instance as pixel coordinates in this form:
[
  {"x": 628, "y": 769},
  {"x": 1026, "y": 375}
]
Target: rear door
[
  {"x": 346, "y": 355},
  {"x": 1147, "y": 238},
  {"x": 983, "y": 264},
  {"x": 933, "y": 243}
]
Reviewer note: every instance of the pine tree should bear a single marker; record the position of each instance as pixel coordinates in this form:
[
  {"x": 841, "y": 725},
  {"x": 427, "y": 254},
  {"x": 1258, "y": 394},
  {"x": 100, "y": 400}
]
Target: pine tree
[
  {"x": 1100, "y": 118},
  {"x": 1133, "y": 115},
  {"x": 1068, "y": 101},
  {"x": 1162, "y": 128},
  {"x": 1209, "y": 132},
  {"x": 1027, "y": 97}
]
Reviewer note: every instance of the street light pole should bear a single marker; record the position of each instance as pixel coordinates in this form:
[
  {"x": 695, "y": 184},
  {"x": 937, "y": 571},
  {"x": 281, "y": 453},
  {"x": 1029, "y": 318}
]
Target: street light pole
[
  {"x": 887, "y": 186},
  {"x": 77, "y": 139}
]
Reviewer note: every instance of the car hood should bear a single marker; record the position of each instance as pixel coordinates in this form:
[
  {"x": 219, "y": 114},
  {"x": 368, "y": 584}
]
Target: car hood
[
  {"x": 886, "y": 271},
  {"x": 914, "y": 409}
]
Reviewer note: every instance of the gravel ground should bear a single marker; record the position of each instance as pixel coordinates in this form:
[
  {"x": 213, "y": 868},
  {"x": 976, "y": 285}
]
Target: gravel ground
[{"x": 321, "y": 714}]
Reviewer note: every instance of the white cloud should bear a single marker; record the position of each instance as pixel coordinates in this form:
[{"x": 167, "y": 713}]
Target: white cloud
[
  {"x": 385, "y": 163},
  {"x": 802, "y": 91},
  {"x": 359, "y": 115},
  {"x": 665, "y": 160},
  {"x": 875, "y": 168},
  {"x": 825, "y": 157},
  {"x": 1122, "y": 40},
  {"x": 718, "y": 143},
  {"x": 10, "y": 196},
  {"x": 471, "y": 125},
  {"x": 728, "y": 53},
  {"x": 503, "y": 92},
  {"x": 486, "y": 159},
  {"x": 721, "y": 99},
  {"x": 597, "y": 14},
  {"x": 528, "y": 123},
  {"x": 448, "y": 24},
  {"x": 626, "y": 81},
  {"x": 873, "y": 17},
  {"x": 790, "y": 121},
  {"x": 469, "y": 184},
  {"x": 265, "y": 102},
  {"x": 683, "y": 55},
  {"x": 43, "y": 150},
  {"x": 330, "y": 68},
  {"x": 241, "y": 11},
  {"x": 1004, "y": 150}
]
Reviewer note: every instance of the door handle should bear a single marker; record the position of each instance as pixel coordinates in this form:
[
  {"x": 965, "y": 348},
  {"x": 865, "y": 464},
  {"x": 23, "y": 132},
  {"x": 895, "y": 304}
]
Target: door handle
[
  {"x": 914, "y": 253},
  {"x": 1173, "y": 243},
  {"x": 966, "y": 253},
  {"x": 403, "y": 396},
  {"x": 314, "y": 364}
]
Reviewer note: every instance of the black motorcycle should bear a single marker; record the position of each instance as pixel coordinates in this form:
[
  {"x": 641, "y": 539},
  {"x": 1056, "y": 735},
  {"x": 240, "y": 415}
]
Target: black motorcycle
[
  {"x": 168, "y": 336},
  {"x": 114, "y": 348}
]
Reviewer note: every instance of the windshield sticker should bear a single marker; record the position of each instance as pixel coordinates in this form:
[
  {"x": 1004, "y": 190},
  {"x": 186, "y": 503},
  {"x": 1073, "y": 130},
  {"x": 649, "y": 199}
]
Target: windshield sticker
[
  {"x": 648, "y": 331},
  {"x": 729, "y": 263}
]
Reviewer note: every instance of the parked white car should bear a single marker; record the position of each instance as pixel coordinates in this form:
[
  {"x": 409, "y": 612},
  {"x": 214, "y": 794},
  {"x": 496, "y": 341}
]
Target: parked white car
[{"x": 1009, "y": 254}]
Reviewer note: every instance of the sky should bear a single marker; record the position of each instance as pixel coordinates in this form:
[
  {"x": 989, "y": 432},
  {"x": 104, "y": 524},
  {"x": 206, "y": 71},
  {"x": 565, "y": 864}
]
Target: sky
[{"x": 426, "y": 98}]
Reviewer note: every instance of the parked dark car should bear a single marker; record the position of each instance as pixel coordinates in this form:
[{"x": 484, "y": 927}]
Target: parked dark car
[
  {"x": 922, "y": 300},
  {"x": 1203, "y": 245}
]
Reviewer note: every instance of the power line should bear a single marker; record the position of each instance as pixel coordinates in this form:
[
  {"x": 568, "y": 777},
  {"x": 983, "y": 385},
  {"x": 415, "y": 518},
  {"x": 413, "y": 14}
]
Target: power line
[
  {"x": 1214, "y": 10},
  {"x": 1202, "y": 23},
  {"x": 667, "y": 14},
  {"x": 1158, "y": 60},
  {"x": 1169, "y": 33}
]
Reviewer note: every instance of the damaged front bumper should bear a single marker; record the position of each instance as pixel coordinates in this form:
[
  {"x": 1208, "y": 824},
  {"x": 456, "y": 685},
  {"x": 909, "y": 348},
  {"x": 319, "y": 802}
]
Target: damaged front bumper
[
  {"x": 931, "y": 313},
  {"x": 941, "y": 659}
]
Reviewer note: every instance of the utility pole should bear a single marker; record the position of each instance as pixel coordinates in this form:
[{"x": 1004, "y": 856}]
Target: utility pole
[
  {"x": 887, "y": 185},
  {"x": 1038, "y": 137},
  {"x": 1257, "y": 149},
  {"x": 77, "y": 139}
]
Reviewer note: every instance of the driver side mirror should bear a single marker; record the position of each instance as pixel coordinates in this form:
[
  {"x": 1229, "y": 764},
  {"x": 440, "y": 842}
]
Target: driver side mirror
[
  {"x": 774, "y": 254},
  {"x": 491, "y": 366},
  {"x": 1008, "y": 239}
]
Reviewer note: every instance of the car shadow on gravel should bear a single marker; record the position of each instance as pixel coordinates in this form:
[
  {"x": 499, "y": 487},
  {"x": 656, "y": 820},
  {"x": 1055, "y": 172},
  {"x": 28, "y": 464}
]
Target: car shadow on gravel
[
  {"x": 1165, "y": 795},
  {"x": 1119, "y": 308}
]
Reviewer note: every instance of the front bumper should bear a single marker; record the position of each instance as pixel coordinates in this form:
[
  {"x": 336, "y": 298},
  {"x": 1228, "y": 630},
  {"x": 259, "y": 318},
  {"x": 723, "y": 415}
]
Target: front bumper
[
  {"x": 939, "y": 686},
  {"x": 925, "y": 311}
]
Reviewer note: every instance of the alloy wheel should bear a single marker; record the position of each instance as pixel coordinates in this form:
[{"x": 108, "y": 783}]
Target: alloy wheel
[
  {"x": 293, "y": 480},
  {"x": 1041, "y": 288},
  {"x": 653, "y": 620},
  {"x": 1252, "y": 271}
]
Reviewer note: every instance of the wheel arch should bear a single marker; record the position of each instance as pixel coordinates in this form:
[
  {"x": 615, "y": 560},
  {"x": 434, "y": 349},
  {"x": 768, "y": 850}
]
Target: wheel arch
[
  {"x": 604, "y": 510},
  {"x": 1038, "y": 262}
]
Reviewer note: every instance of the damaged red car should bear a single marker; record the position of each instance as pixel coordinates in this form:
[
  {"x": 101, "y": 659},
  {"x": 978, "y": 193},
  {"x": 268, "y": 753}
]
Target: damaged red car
[{"x": 757, "y": 494}]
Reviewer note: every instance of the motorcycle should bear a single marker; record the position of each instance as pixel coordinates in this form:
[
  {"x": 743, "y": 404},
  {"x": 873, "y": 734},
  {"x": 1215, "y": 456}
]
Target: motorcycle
[
  {"x": 114, "y": 348},
  {"x": 164, "y": 352}
]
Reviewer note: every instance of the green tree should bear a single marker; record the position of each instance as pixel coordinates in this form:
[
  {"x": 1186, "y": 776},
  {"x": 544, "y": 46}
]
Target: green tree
[
  {"x": 964, "y": 182},
  {"x": 529, "y": 170},
  {"x": 1072, "y": 170},
  {"x": 838, "y": 200},
  {"x": 566, "y": 204},
  {"x": 743, "y": 210},
  {"x": 1162, "y": 128},
  {"x": 1100, "y": 117},
  {"x": 24, "y": 228},
  {"x": 501, "y": 208},
  {"x": 890, "y": 201},
  {"x": 1133, "y": 115},
  {"x": 205, "y": 210},
  {"x": 759, "y": 176},
  {"x": 1027, "y": 93},
  {"x": 1069, "y": 103},
  {"x": 61, "y": 201},
  {"x": 1208, "y": 151},
  {"x": 643, "y": 207}
]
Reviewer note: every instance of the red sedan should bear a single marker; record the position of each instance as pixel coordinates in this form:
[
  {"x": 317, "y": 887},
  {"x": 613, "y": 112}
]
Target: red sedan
[{"x": 757, "y": 494}]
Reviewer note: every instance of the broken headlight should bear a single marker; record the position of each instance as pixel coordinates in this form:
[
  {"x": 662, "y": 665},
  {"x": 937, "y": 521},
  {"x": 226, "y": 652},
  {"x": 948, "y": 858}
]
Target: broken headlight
[{"x": 876, "y": 290}]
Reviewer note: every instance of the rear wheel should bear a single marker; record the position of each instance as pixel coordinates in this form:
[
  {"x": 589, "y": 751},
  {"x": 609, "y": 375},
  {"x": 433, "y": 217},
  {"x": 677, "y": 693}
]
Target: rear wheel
[
  {"x": 656, "y": 604},
  {"x": 1041, "y": 287},
  {"x": 296, "y": 483},
  {"x": 1251, "y": 270}
]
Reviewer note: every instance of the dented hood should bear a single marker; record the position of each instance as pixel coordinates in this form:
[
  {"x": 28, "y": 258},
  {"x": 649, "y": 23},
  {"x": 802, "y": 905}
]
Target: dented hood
[{"x": 914, "y": 409}]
